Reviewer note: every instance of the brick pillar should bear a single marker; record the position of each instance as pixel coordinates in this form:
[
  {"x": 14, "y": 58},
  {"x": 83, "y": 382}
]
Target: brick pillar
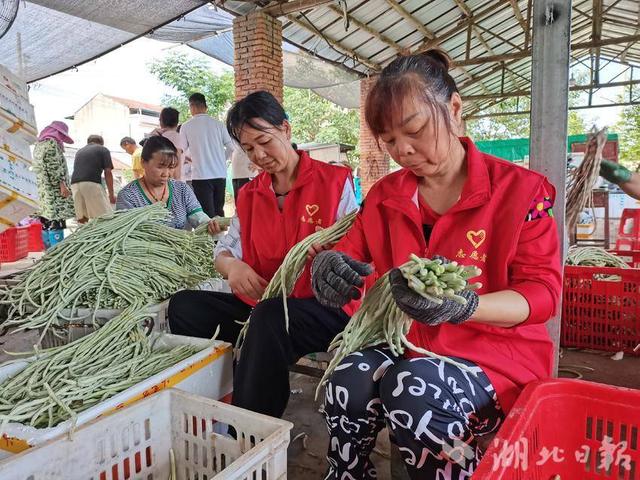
[
  {"x": 257, "y": 39},
  {"x": 374, "y": 163}
]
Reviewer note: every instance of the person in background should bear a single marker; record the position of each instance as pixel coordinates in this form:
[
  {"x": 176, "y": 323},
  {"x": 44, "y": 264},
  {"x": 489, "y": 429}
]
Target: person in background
[
  {"x": 86, "y": 182},
  {"x": 210, "y": 147},
  {"x": 292, "y": 198},
  {"x": 52, "y": 176},
  {"x": 619, "y": 175},
  {"x": 169, "y": 118},
  {"x": 159, "y": 158},
  {"x": 129, "y": 145},
  {"x": 451, "y": 201},
  {"x": 242, "y": 170}
]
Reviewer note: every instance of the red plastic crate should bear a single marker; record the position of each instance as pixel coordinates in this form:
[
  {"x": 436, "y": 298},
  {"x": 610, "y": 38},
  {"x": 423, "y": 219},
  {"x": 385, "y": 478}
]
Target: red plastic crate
[
  {"x": 35, "y": 243},
  {"x": 630, "y": 257},
  {"x": 571, "y": 428},
  {"x": 601, "y": 308},
  {"x": 14, "y": 244}
]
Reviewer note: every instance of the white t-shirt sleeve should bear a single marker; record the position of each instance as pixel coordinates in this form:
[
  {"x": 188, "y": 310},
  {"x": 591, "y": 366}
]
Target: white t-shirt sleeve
[
  {"x": 183, "y": 138},
  {"x": 231, "y": 241},
  {"x": 347, "y": 201}
]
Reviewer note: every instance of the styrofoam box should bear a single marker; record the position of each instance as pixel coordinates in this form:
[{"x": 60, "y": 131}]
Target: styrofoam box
[
  {"x": 18, "y": 190},
  {"x": 17, "y": 126},
  {"x": 135, "y": 443},
  {"x": 12, "y": 82},
  {"x": 15, "y": 146},
  {"x": 82, "y": 323},
  {"x": 207, "y": 373},
  {"x": 17, "y": 105}
]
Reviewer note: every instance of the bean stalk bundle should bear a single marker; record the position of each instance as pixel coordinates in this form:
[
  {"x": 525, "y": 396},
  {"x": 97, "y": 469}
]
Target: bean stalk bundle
[
  {"x": 120, "y": 259},
  {"x": 64, "y": 381},
  {"x": 289, "y": 272},
  {"x": 379, "y": 320},
  {"x": 593, "y": 257}
]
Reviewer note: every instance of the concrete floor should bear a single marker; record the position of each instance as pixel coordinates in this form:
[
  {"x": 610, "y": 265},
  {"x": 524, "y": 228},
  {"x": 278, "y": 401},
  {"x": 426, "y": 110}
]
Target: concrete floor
[{"x": 309, "y": 435}]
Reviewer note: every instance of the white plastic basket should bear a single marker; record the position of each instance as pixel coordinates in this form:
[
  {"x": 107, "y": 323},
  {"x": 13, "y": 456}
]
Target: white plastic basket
[
  {"x": 134, "y": 443},
  {"x": 82, "y": 324},
  {"x": 207, "y": 373}
]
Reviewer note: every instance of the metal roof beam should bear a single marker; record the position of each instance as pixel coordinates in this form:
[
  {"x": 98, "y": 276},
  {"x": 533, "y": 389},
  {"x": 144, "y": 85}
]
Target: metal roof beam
[
  {"x": 463, "y": 6},
  {"x": 527, "y": 112},
  {"x": 527, "y": 93},
  {"x": 282, "y": 9},
  {"x": 363, "y": 26},
  {"x": 518, "y": 14},
  {"x": 335, "y": 44},
  {"x": 490, "y": 50},
  {"x": 527, "y": 53},
  {"x": 461, "y": 26},
  {"x": 596, "y": 36},
  {"x": 410, "y": 19}
]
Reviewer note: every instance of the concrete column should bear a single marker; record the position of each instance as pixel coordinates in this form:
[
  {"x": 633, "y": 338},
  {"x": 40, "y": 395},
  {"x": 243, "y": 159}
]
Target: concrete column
[
  {"x": 257, "y": 39},
  {"x": 374, "y": 164},
  {"x": 549, "y": 109}
]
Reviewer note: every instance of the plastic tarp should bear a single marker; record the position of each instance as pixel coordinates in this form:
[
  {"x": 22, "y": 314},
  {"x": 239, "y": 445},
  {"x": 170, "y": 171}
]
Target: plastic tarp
[
  {"x": 58, "y": 34},
  {"x": 55, "y": 35}
]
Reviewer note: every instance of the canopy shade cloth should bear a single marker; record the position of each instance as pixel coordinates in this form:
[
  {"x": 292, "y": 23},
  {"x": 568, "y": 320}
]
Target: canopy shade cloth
[{"x": 55, "y": 35}]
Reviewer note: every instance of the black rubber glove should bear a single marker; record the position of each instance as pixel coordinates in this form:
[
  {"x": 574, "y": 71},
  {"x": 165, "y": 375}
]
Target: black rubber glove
[
  {"x": 426, "y": 311},
  {"x": 335, "y": 278}
]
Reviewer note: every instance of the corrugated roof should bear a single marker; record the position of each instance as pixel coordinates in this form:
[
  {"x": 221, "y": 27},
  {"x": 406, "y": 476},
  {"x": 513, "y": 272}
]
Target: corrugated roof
[{"x": 470, "y": 31}]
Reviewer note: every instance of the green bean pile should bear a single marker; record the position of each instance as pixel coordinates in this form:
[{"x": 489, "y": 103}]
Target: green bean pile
[
  {"x": 379, "y": 320},
  {"x": 64, "y": 381},
  {"x": 289, "y": 272},
  {"x": 593, "y": 257},
  {"x": 120, "y": 259}
]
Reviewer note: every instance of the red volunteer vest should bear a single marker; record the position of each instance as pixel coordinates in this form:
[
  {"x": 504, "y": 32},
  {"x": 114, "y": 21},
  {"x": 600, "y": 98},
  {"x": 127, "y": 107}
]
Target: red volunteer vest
[
  {"x": 267, "y": 234},
  {"x": 483, "y": 229}
]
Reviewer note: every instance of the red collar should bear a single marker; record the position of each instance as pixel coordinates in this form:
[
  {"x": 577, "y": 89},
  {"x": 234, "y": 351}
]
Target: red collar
[
  {"x": 305, "y": 174},
  {"x": 475, "y": 192}
]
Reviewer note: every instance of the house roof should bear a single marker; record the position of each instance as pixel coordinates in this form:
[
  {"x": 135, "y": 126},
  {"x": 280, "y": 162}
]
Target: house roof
[{"x": 135, "y": 104}]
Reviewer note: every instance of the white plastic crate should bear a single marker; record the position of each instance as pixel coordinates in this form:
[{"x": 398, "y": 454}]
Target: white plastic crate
[
  {"x": 207, "y": 373},
  {"x": 134, "y": 443},
  {"x": 69, "y": 330}
]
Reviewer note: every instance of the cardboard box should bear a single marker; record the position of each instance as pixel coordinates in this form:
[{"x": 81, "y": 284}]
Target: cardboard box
[{"x": 13, "y": 82}]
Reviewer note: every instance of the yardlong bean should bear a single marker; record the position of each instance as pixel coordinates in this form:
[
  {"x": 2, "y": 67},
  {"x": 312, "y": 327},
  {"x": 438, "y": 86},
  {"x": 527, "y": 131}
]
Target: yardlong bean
[
  {"x": 64, "y": 381},
  {"x": 284, "y": 280},
  {"x": 379, "y": 320},
  {"x": 119, "y": 259}
]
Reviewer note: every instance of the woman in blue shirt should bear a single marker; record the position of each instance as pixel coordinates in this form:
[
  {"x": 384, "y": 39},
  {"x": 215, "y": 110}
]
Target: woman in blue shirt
[{"x": 159, "y": 158}]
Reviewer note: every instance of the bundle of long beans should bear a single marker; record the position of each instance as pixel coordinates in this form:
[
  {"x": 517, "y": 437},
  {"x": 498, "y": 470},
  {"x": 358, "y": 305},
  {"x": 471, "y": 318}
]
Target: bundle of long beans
[
  {"x": 64, "y": 381},
  {"x": 379, "y": 321},
  {"x": 593, "y": 257},
  {"x": 582, "y": 179},
  {"x": 284, "y": 280},
  {"x": 123, "y": 258}
]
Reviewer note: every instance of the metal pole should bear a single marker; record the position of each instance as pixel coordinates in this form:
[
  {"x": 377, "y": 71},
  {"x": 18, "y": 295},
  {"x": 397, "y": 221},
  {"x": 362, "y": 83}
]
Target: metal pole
[{"x": 549, "y": 111}]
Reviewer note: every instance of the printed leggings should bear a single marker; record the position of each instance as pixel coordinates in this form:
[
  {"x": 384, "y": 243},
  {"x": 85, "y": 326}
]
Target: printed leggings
[{"x": 434, "y": 412}]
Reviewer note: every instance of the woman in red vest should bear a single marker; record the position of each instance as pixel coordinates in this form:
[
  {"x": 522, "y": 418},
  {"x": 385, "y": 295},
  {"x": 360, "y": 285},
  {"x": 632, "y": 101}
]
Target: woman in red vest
[
  {"x": 453, "y": 201},
  {"x": 293, "y": 197}
]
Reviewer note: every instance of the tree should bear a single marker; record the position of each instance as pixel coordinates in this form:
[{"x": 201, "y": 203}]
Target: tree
[
  {"x": 501, "y": 127},
  {"x": 628, "y": 129},
  {"x": 315, "y": 119},
  {"x": 188, "y": 74}
]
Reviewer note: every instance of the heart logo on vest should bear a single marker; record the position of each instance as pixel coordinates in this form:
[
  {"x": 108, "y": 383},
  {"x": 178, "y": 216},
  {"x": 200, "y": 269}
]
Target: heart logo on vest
[
  {"x": 476, "y": 238},
  {"x": 312, "y": 209}
]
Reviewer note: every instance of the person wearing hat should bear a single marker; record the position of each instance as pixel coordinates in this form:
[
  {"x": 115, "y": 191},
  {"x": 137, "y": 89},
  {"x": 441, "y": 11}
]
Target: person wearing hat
[{"x": 50, "y": 166}]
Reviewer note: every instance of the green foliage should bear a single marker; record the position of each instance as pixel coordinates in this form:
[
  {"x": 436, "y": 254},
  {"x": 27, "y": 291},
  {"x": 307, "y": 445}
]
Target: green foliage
[
  {"x": 314, "y": 119},
  {"x": 501, "y": 127},
  {"x": 189, "y": 74},
  {"x": 628, "y": 129}
]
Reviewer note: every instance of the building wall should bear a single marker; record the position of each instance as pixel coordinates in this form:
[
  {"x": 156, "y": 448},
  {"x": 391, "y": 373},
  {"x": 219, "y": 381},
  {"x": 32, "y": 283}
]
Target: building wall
[{"x": 112, "y": 120}]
